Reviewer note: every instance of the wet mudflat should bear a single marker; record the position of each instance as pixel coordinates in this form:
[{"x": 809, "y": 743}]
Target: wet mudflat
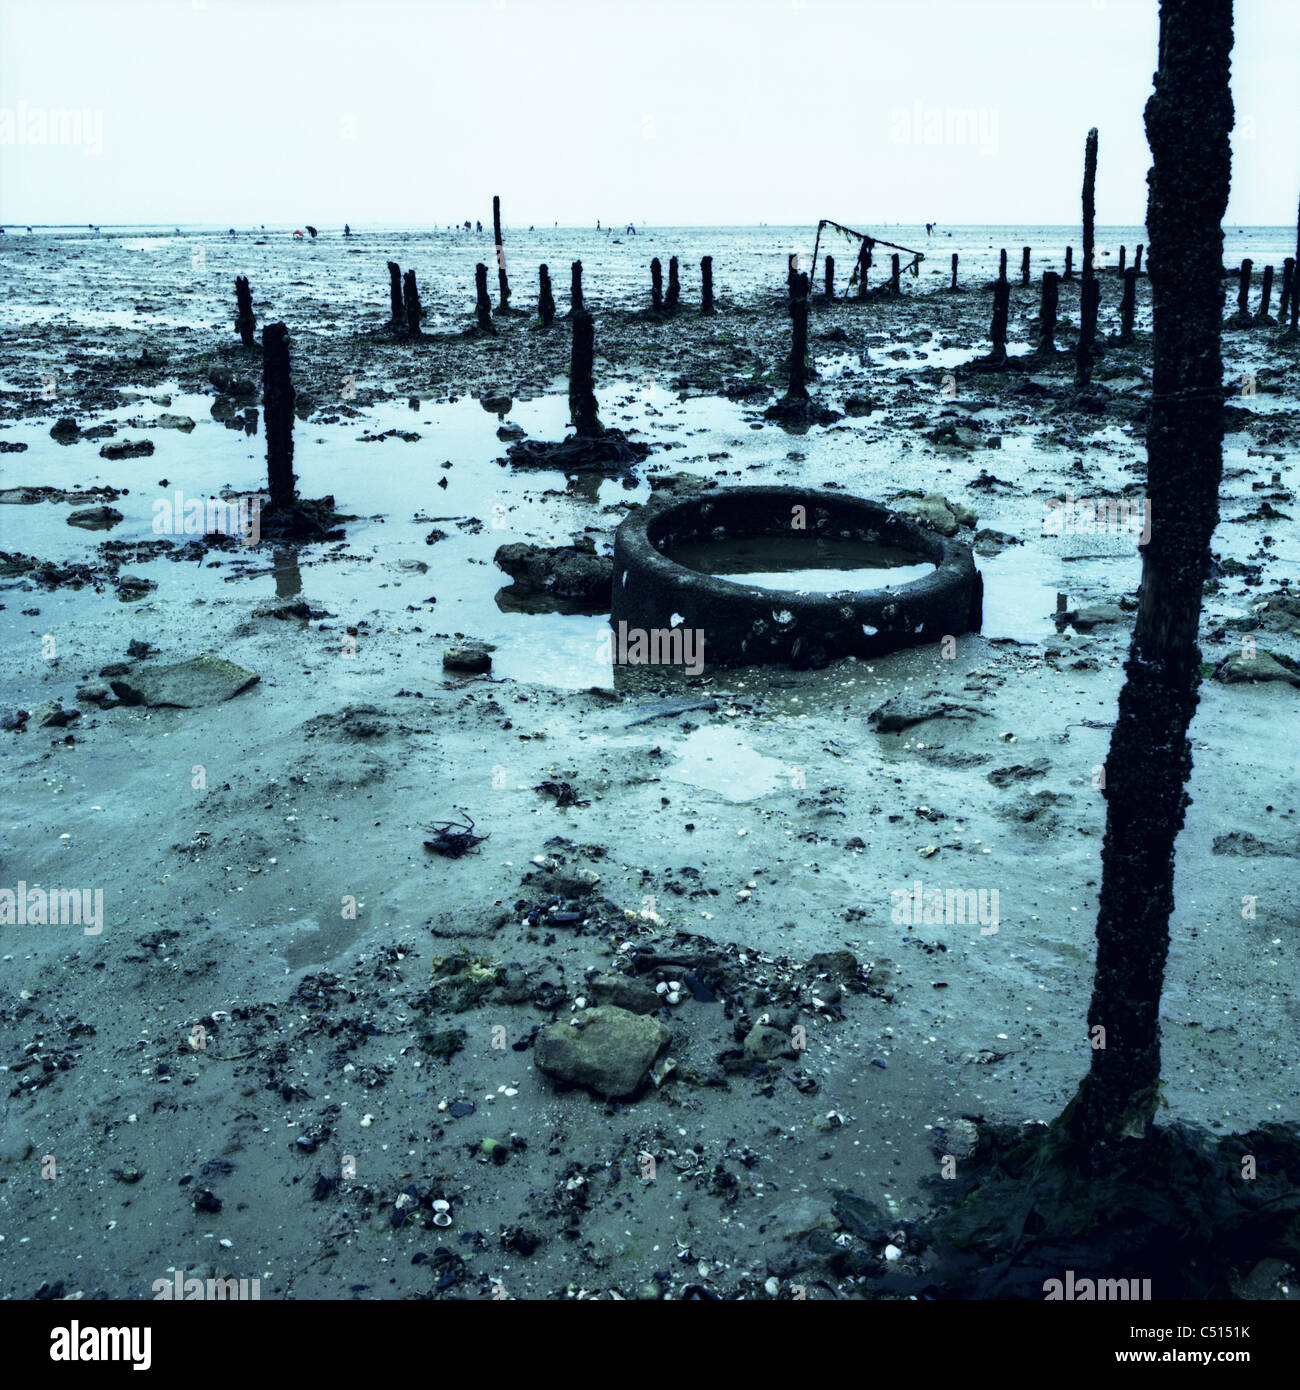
[{"x": 370, "y": 1010}]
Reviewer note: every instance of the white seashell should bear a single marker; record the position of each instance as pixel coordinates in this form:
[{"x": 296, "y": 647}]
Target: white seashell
[
  {"x": 772, "y": 1287},
  {"x": 440, "y": 1205},
  {"x": 441, "y": 1218},
  {"x": 675, "y": 986},
  {"x": 661, "y": 987},
  {"x": 674, "y": 998},
  {"x": 892, "y": 1252}
]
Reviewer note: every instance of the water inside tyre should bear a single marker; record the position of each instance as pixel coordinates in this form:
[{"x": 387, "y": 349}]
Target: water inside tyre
[{"x": 804, "y": 564}]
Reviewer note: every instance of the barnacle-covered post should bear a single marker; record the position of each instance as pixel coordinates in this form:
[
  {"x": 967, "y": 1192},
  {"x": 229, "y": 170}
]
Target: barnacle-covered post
[
  {"x": 582, "y": 389},
  {"x": 674, "y": 287},
  {"x": 1047, "y": 312},
  {"x": 245, "y": 322},
  {"x": 411, "y": 303},
  {"x": 575, "y": 288},
  {"x": 483, "y": 304},
  {"x": 799, "y": 338},
  {"x": 277, "y": 407},
  {"x": 830, "y": 277},
  {"x": 503, "y": 284},
  {"x": 1127, "y": 305},
  {"x": 706, "y": 279},
  {"x": 656, "y": 287},
  {"x": 545, "y": 299},
  {"x": 395, "y": 291}
]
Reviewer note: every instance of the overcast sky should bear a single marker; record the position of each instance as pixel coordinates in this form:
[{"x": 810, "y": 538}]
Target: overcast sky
[{"x": 653, "y": 111}]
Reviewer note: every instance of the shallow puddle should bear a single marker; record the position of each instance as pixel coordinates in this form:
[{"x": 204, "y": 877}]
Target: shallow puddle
[{"x": 805, "y": 566}]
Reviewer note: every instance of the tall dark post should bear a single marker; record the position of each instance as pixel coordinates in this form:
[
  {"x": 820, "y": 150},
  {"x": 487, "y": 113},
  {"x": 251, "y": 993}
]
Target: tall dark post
[
  {"x": 277, "y": 407},
  {"x": 483, "y": 304},
  {"x": 894, "y": 287},
  {"x": 1263, "y": 317},
  {"x": 545, "y": 299},
  {"x": 1292, "y": 332},
  {"x": 953, "y": 286},
  {"x": 1187, "y": 119},
  {"x": 1243, "y": 292},
  {"x": 656, "y": 287},
  {"x": 1127, "y": 305},
  {"x": 998, "y": 328},
  {"x": 1069, "y": 264},
  {"x": 1137, "y": 260},
  {"x": 503, "y": 285},
  {"x": 582, "y": 391},
  {"x": 791, "y": 270},
  {"x": 1002, "y": 265},
  {"x": 575, "y": 288},
  {"x": 1024, "y": 265},
  {"x": 1090, "y": 290},
  {"x": 1047, "y": 312},
  {"x": 1288, "y": 289},
  {"x": 411, "y": 303},
  {"x": 1089, "y": 202},
  {"x": 799, "y": 339},
  {"x": 674, "y": 287},
  {"x": 245, "y": 322},
  {"x": 1123, "y": 255},
  {"x": 830, "y": 277},
  {"x": 706, "y": 278},
  {"x": 864, "y": 265},
  {"x": 395, "y": 291}
]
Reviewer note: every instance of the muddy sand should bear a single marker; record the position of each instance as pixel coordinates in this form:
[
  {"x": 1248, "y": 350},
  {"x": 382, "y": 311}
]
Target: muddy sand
[{"x": 300, "y": 1027}]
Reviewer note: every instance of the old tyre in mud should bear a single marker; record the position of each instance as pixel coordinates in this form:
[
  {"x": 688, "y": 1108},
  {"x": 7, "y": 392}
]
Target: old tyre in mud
[{"x": 742, "y": 624}]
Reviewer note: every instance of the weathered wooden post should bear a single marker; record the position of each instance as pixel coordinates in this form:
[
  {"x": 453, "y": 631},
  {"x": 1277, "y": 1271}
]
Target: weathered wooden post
[
  {"x": 674, "y": 287},
  {"x": 864, "y": 265},
  {"x": 503, "y": 284},
  {"x": 277, "y": 407},
  {"x": 245, "y": 322},
  {"x": 411, "y": 303},
  {"x": 1002, "y": 264},
  {"x": 1188, "y": 119},
  {"x": 1090, "y": 290},
  {"x": 582, "y": 389},
  {"x": 791, "y": 270},
  {"x": 1024, "y": 265},
  {"x": 545, "y": 299},
  {"x": 998, "y": 328},
  {"x": 482, "y": 304},
  {"x": 953, "y": 286},
  {"x": 830, "y": 277},
  {"x": 1127, "y": 305},
  {"x": 656, "y": 287},
  {"x": 1137, "y": 260},
  {"x": 894, "y": 287},
  {"x": 1288, "y": 289},
  {"x": 799, "y": 339},
  {"x": 1292, "y": 333},
  {"x": 1262, "y": 317},
  {"x": 395, "y": 291},
  {"x": 1069, "y": 264},
  {"x": 1123, "y": 256},
  {"x": 1047, "y": 312},
  {"x": 1242, "y": 316},
  {"x": 575, "y": 288},
  {"x": 706, "y": 282}
]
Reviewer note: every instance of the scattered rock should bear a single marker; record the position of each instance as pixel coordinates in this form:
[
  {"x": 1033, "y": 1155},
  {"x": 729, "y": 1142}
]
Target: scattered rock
[
  {"x": 609, "y": 1054},
  {"x": 468, "y": 658},
  {"x": 901, "y": 712},
  {"x": 1263, "y": 666},
  {"x": 65, "y": 431},
  {"x": 204, "y": 680},
  {"x": 95, "y": 518},
  {"x": 127, "y": 449},
  {"x": 636, "y": 996}
]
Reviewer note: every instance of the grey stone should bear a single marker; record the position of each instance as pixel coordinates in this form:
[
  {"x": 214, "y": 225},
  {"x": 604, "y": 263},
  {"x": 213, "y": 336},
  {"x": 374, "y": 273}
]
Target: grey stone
[
  {"x": 95, "y": 518},
  {"x": 609, "y": 1054},
  {"x": 471, "y": 658},
  {"x": 799, "y": 1217},
  {"x": 636, "y": 996},
  {"x": 204, "y": 680}
]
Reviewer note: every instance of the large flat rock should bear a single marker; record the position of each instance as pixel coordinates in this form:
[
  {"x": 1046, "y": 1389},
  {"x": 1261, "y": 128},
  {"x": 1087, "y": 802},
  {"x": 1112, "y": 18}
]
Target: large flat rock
[
  {"x": 203, "y": 680},
  {"x": 609, "y": 1054}
]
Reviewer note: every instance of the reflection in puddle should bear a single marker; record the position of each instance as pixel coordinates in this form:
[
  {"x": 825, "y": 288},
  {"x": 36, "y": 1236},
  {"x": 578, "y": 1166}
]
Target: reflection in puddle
[
  {"x": 805, "y": 565},
  {"x": 717, "y": 759}
]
